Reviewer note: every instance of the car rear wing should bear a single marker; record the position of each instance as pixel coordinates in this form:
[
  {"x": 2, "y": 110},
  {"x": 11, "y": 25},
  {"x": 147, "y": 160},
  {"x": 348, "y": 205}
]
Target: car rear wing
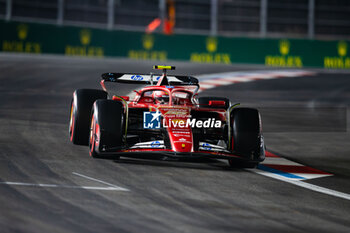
[{"x": 150, "y": 79}]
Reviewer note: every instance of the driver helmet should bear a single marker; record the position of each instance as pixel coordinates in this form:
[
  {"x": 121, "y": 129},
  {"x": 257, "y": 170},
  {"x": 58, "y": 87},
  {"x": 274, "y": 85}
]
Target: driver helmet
[{"x": 161, "y": 97}]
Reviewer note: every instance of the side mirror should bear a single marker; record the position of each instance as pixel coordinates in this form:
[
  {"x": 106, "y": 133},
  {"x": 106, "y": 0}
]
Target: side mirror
[
  {"x": 126, "y": 98},
  {"x": 217, "y": 103}
]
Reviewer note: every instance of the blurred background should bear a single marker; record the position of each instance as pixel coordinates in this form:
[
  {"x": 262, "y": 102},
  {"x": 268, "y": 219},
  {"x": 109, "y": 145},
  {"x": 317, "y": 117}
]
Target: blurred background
[
  {"x": 256, "y": 18},
  {"x": 288, "y": 33}
]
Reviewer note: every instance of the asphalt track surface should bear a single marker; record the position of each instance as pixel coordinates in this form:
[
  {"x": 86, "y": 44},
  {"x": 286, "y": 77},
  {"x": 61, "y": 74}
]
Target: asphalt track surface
[{"x": 161, "y": 196}]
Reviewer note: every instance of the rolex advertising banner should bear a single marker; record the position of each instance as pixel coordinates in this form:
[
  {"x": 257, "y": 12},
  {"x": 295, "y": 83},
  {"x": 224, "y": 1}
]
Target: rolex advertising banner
[{"x": 76, "y": 41}]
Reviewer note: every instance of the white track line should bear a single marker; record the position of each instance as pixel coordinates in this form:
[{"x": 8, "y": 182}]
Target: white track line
[
  {"x": 241, "y": 79},
  {"x": 279, "y": 161},
  {"x": 64, "y": 186},
  {"x": 221, "y": 79},
  {"x": 111, "y": 187},
  {"x": 100, "y": 181},
  {"x": 207, "y": 86},
  {"x": 216, "y": 81},
  {"x": 306, "y": 185}
]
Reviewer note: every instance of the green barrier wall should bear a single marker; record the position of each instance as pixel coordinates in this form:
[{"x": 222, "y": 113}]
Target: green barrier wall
[{"x": 75, "y": 41}]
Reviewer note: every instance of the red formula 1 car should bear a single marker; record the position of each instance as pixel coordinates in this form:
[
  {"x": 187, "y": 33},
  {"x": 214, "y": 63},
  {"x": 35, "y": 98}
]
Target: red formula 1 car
[{"x": 164, "y": 117}]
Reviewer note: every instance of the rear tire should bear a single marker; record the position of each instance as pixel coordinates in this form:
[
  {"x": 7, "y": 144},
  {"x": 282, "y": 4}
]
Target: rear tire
[
  {"x": 107, "y": 127},
  {"x": 204, "y": 102},
  {"x": 80, "y": 113},
  {"x": 247, "y": 140}
]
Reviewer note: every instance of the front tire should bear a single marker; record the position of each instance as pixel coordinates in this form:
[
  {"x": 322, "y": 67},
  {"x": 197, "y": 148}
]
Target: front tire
[
  {"x": 107, "y": 127},
  {"x": 80, "y": 113},
  {"x": 246, "y": 137}
]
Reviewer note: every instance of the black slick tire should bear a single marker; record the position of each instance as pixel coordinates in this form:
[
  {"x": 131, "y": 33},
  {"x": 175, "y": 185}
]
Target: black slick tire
[
  {"x": 80, "y": 112},
  {"x": 107, "y": 127},
  {"x": 246, "y": 140}
]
